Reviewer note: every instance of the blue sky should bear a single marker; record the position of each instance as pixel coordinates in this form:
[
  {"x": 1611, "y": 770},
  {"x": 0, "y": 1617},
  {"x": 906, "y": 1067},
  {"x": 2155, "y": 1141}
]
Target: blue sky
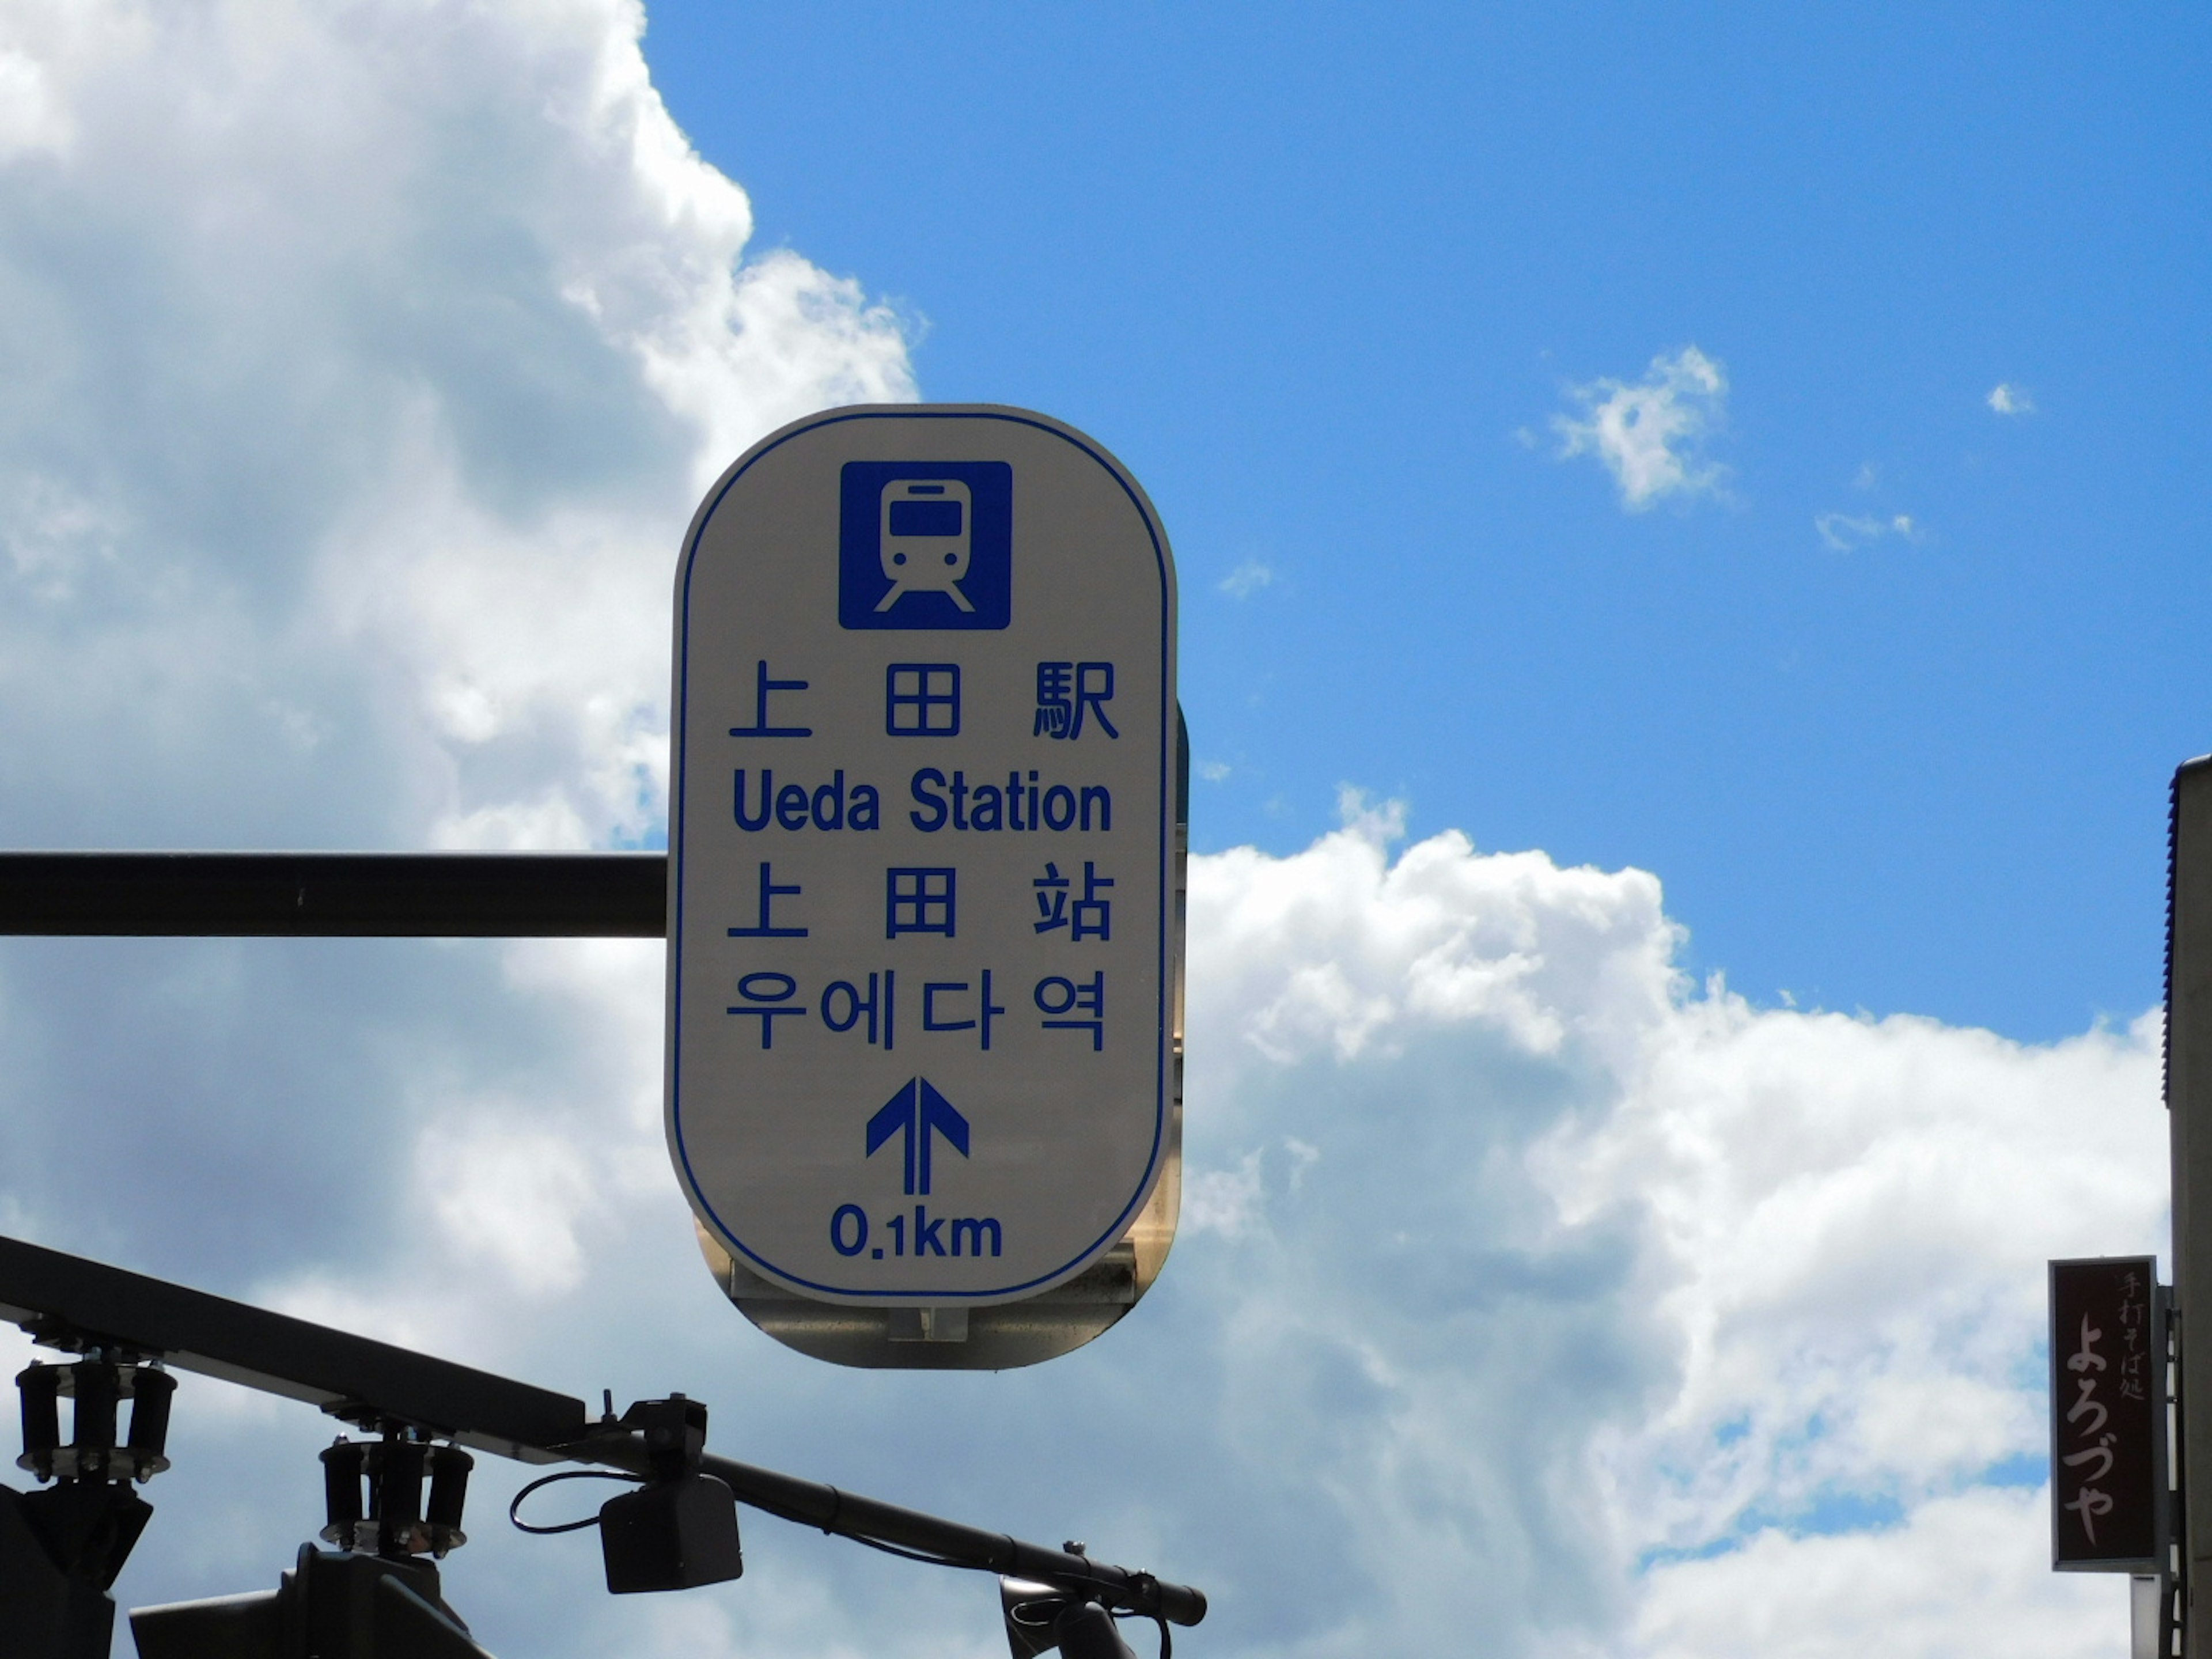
[
  {"x": 1576, "y": 431},
  {"x": 1310, "y": 270}
]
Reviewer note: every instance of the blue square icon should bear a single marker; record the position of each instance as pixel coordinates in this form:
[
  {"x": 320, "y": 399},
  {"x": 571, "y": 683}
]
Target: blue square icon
[{"x": 926, "y": 544}]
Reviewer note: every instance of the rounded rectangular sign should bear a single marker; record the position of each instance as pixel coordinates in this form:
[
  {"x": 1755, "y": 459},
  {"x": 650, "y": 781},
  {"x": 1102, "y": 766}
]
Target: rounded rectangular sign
[{"x": 921, "y": 841}]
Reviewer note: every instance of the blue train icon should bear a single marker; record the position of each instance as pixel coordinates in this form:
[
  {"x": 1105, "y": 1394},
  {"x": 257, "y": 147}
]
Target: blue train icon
[{"x": 926, "y": 539}]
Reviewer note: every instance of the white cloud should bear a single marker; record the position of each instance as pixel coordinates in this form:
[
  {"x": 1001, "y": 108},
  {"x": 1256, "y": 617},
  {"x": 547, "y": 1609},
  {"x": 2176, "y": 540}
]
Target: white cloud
[
  {"x": 2006, "y": 399},
  {"x": 1247, "y": 578},
  {"x": 1650, "y": 434},
  {"x": 30, "y": 121},
  {"x": 1225, "y": 1201},
  {"x": 1529, "y": 1298},
  {"x": 1843, "y": 532},
  {"x": 410, "y": 331},
  {"x": 1897, "y": 1592},
  {"x": 1759, "y": 1267}
]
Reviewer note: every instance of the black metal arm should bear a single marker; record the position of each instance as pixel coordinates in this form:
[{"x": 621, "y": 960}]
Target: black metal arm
[
  {"x": 68, "y": 1302},
  {"x": 436, "y": 895},
  {"x": 811, "y": 1504}
]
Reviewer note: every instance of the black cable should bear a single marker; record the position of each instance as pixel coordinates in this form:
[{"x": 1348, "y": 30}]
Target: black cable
[
  {"x": 513, "y": 1510},
  {"x": 927, "y": 1560},
  {"x": 1018, "y": 1614},
  {"x": 906, "y": 1554},
  {"x": 1167, "y": 1642},
  {"x": 830, "y": 1529},
  {"x": 1148, "y": 1590}
]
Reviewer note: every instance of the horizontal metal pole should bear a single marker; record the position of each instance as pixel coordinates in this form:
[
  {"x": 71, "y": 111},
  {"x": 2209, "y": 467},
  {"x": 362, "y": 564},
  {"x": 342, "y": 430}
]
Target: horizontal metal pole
[
  {"x": 837, "y": 1511},
  {"x": 419, "y": 895},
  {"x": 68, "y": 1302},
  {"x": 847, "y": 1514}
]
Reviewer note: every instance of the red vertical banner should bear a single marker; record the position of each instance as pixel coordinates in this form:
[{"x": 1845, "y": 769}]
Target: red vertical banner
[{"x": 2108, "y": 1399}]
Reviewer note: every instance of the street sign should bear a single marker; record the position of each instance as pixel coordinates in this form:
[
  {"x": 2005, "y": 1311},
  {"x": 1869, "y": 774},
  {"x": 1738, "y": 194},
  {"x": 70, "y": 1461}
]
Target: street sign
[
  {"x": 2109, "y": 1499},
  {"x": 921, "y": 939}
]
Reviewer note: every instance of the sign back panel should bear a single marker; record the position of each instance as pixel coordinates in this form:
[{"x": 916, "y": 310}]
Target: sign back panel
[
  {"x": 2108, "y": 1491},
  {"x": 921, "y": 841}
]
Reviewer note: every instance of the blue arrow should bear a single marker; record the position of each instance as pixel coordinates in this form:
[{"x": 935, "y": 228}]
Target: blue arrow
[
  {"x": 913, "y": 1111},
  {"x": 897, "y": 1114}
]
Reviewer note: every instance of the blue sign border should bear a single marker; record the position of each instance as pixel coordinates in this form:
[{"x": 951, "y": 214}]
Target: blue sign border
[{"x": 676, "y": 793}]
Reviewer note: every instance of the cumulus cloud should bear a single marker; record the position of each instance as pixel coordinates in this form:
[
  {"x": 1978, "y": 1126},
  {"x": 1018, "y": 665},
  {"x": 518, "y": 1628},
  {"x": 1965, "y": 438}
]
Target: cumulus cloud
[
  {"x": 1651, "y": 433},
  {"x": 1631, "y": 1261},
  {"x": 2006, "y": 399},
  {"x": 363, "y": 368},
  {"x": 1900, "y": 1589},
  {"x": 413, "y": 330}
]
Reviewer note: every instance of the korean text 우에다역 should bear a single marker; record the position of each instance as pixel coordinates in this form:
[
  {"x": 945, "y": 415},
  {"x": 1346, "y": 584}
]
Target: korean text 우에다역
[{"x": 868, "y": 1005}]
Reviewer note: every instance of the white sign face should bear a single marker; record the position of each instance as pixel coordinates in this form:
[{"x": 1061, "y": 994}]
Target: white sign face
[{"x": 920, "y": 846}]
